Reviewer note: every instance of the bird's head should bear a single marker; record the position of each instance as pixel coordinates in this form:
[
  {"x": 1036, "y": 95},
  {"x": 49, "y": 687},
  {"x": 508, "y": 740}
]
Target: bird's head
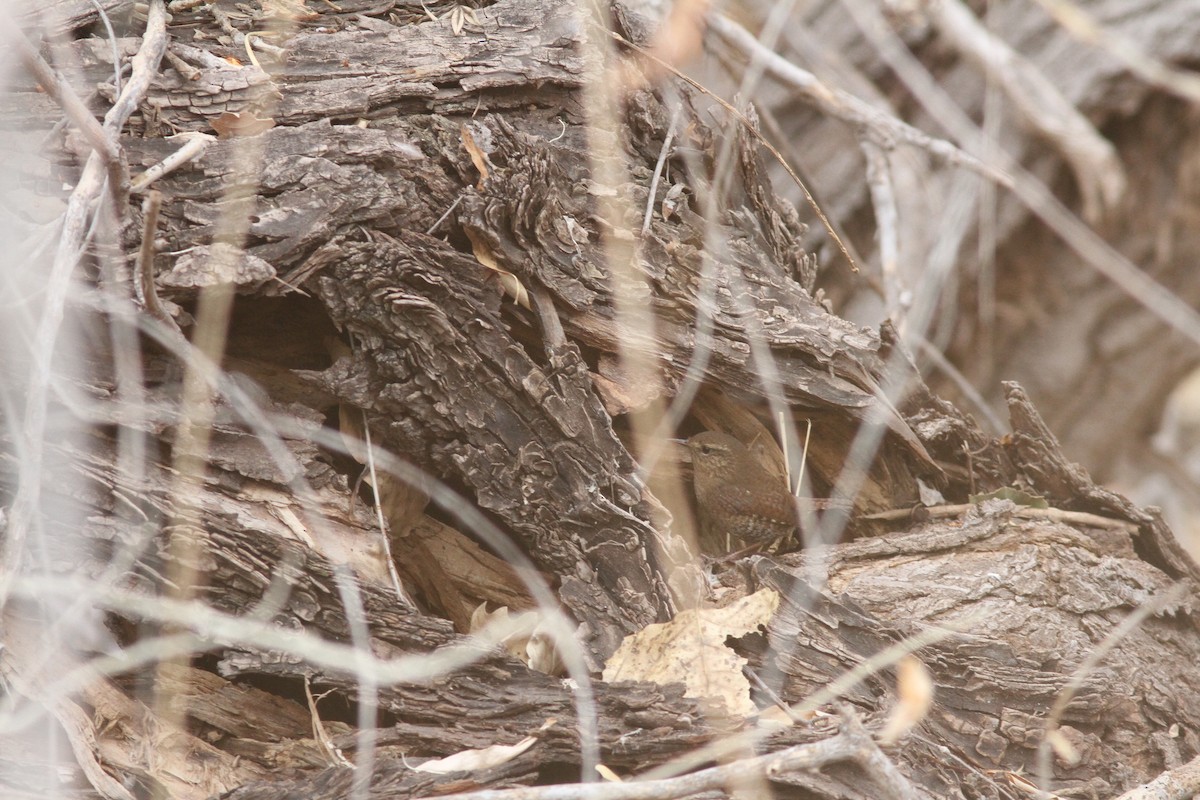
[{"x": 715, "y": 452}]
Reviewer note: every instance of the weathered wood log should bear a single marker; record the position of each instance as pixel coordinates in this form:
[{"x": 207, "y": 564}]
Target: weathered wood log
[
  {"x": 407, "y": 252},
  {"x": 537, "y": 216}
]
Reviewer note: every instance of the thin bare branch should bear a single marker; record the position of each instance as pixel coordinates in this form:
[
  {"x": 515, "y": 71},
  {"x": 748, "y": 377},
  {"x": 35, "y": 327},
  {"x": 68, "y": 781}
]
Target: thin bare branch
[
  {"x": 1153, "y": 71},
  {"x": 1098, "y": 170},
  {"x": 195, "y": 143},
  {"x": 1033, "y": 193},
  {"x": 887, "y": 221},
  {"x": 147, "y": 293},
  {"x": 870, "y": 121},
  {"x": 60, "y": 91},
  {"x": 851, "y": 743},
  {"x": 70, "y": 248}
]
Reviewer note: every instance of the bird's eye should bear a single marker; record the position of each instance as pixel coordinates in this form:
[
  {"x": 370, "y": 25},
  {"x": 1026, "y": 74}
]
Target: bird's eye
[{"x": 705, "y": 449}]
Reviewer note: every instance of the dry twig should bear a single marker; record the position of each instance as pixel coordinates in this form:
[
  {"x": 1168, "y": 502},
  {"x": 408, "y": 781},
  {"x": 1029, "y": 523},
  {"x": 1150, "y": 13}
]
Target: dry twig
[
  {"x": 1032, "y": 192},
  {"x": 852, "y": 743},
  {"x": 147, "y": 293},
  {"x": 1098, "y": 170},
  {"x": 103, "y": 166},
  {"x": 869, "y": 121}
]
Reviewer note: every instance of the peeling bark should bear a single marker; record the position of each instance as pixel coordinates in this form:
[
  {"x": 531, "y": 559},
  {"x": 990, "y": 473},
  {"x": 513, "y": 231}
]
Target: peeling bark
[{"x": 374, "y": 263}]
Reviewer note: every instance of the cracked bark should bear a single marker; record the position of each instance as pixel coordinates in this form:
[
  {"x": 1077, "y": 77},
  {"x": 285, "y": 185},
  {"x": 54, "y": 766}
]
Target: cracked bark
[{"x": 514, "y": 410}]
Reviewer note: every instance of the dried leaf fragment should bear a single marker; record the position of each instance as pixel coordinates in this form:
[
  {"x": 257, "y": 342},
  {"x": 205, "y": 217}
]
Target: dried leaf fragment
[
  {"x": 914, "y": 686},
  {"x": 478, "y": 157},
  {"x": 459, "y": 16},
  {"x": 691, "y": 650},
  {"x": 481, "y": 758},
  {"x": 242, "y": 123},
  {"x": 607, "y": 774},
  {"x": 524, "y": 635},
  {"x": 510, "y": 284}
]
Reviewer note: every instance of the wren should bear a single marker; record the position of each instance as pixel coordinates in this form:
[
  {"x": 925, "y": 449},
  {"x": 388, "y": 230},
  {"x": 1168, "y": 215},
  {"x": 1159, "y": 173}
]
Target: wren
[{"x": 739, "y": 501}]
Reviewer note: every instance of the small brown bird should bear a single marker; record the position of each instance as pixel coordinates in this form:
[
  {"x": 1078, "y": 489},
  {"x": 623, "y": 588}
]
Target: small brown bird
[{"x": 740, "y": 502}]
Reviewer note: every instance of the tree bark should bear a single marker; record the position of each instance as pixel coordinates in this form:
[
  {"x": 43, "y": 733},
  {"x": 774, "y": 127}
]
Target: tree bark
[{"x": 417, "y": 219}]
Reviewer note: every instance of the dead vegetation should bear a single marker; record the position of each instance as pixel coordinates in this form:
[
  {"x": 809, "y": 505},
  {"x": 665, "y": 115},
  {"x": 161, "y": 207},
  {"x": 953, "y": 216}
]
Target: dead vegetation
[{"x": 340, "y": 376}]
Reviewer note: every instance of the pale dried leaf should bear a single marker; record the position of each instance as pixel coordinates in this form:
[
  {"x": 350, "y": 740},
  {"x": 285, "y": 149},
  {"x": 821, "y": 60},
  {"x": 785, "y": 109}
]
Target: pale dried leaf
[
  {"x": 671, "y": 201},
  {"x": 541, "y": 654},
  {"x": 480, "y": 617},
  {"x": 1021, "y": 782},
  {"x": 523, "y": 635},
  {"x": 608, "y": 774},
  {"x": 508, "y": 282},
  {"x": 402, "y": 504},
  {"x": 569, "y": 229},
  {"x": 482, "y": 758},
  {"x": 914, "y": 686},
  {"x": 691, "y": 650},
  {"x": 513, "y": 288},
  {"x": 478, "y": 157},
  {"x": 459, "y": 16},
  {"x": 930, "y": 496}
]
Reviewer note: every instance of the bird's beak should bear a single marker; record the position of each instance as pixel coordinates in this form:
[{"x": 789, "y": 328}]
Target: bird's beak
[{"x": 683, "y": 453}]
